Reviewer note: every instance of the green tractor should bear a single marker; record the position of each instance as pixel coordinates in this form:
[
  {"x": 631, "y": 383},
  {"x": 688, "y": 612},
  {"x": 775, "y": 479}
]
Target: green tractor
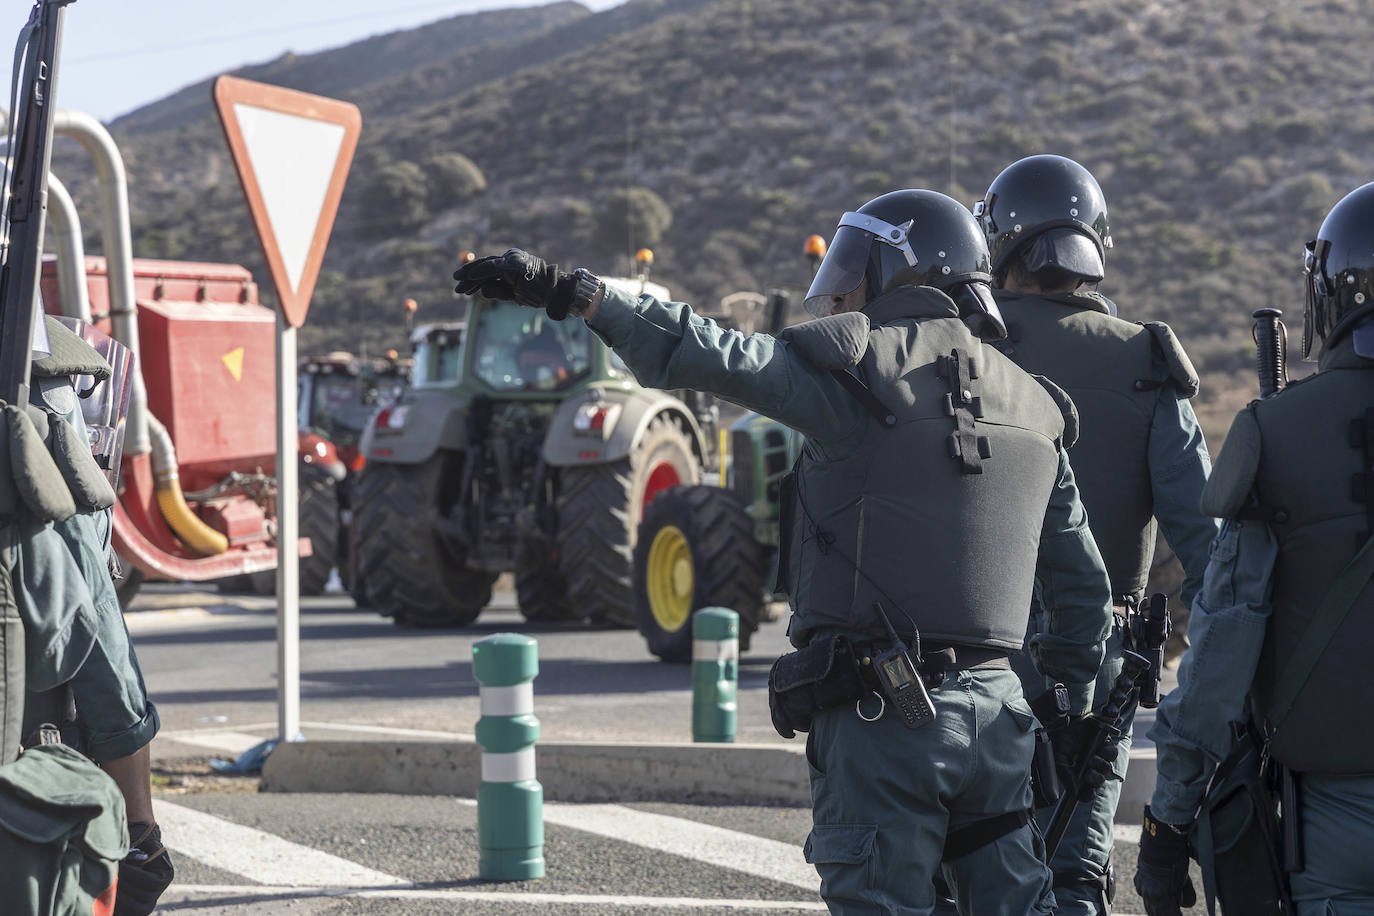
[
  {"x": 717, "y": 545},
  {"x": 521, "y": 445},
  {"x": 714, "y": 545}
]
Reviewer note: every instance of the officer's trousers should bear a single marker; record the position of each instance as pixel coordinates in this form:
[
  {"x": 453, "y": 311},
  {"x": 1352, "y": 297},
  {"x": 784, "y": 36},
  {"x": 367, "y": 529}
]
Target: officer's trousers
[
  {"x": 1337, "y": 832},
  {"x": 1080, "y": 862},
  {"x": 884, "y": 797}
]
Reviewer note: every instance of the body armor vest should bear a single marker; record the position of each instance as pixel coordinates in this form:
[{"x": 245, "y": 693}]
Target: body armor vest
[
  {"x": 1315, "y": 482},
  {"x": 938, "y": 514},
  {"x": 1107, "y": 367}
]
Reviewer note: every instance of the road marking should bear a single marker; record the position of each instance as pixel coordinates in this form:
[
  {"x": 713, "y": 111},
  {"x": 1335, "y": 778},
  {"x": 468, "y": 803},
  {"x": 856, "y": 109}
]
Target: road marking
[
  {"x": 236, "y": 739},
  {"x": 230, "y": 742},
  {"x": 244, "y": 893},
  {"x": 743, "y": 852},
  {"x": 138, "y": 621},
  {"x": 260, "y": 856}
]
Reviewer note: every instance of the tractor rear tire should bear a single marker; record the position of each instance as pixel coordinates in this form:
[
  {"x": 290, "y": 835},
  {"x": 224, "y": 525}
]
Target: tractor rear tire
[
  {"x": 696, "y": 549},
  {"x": 412, "y": 576},
  {"x": 318, "y": 519},
  {"x": 599, "y": 510},
  {"x": 541, "y": 593}
]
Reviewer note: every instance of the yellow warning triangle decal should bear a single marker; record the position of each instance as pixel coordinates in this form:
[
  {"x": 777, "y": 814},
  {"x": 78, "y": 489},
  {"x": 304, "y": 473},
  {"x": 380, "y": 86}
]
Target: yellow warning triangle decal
[{"x": 233, "y": 360}]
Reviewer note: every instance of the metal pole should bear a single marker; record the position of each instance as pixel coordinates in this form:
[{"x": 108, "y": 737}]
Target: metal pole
[{"x": 288, "y": 565}]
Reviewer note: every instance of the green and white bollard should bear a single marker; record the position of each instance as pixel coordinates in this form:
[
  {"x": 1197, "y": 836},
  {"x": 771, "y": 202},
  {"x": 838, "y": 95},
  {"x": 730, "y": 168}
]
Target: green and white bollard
[
  {"x": 510, "y": 801},
  {"x": 715, "y": 674}
]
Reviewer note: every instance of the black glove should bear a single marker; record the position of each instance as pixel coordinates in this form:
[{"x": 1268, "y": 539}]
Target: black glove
[
  {"x": 519, "y": 277},
  {"x": 1161, "y": 875},
  {"x": 1070, "y": 742}
]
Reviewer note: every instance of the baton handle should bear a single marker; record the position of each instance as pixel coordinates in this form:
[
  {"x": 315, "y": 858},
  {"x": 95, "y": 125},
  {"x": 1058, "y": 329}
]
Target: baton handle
[{"x": 1121, "y": 699}]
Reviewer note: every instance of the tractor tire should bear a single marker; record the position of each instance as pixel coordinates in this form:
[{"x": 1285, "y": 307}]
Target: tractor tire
[
  {"x": 318, "y": 519},
  {"x": 411, "y": 576},
  {"x": 599, "y": 510},
  {"x": 696, "y": 549},
  {"x": 541, "y": 594}
]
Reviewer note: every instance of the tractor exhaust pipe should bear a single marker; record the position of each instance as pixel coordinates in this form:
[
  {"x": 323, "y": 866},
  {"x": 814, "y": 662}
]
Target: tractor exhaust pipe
[
  {"x": 65, "y": 225},
  {"x": 119, "y": 258}
]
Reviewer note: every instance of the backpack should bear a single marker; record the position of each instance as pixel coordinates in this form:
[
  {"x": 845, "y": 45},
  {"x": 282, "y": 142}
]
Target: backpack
[{"x": 62, "y": 834}]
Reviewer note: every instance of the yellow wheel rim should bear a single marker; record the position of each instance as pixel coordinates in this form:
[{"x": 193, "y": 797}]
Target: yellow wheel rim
[{"x": 669, "y": 579}]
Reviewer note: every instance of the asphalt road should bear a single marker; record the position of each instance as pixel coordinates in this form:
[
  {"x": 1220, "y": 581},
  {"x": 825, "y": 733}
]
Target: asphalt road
[{"x": 210, "y": 662}]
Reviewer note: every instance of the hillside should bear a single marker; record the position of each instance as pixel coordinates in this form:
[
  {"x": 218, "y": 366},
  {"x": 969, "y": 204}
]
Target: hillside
[{"x": 723, "y": 133}]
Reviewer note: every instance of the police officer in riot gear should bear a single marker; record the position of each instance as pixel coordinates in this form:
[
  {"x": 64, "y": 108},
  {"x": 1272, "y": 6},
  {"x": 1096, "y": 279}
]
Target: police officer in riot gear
[
  {"x": 932, "y": 493},
  {"x": 1286, "y": 611},
  {"x": 1140, "y": 456}
]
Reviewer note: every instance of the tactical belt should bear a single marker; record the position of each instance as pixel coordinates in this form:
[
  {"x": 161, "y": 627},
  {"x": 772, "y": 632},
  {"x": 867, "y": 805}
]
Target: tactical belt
[
  {"x": 831, "y": 671},
  {"x": 939, "y": 661}
]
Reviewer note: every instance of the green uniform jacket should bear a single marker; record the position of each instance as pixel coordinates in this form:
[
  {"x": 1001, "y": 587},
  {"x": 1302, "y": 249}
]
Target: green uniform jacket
[
  {"x": 1140, "y": 454},
  {"x": 1266, "y": 577},
  {"x": 667, "y": 346}
]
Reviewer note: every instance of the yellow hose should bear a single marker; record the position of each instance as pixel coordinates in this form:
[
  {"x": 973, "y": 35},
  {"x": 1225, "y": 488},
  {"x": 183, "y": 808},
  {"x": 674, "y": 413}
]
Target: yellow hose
[{"x": 197, "y": 535}]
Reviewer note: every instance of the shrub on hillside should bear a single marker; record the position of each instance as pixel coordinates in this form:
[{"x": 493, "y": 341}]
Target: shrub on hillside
[
  {"x": 633, "y": 218},
  {"x": 395, "y": 198},
  {"x": 452, "y": 178}
]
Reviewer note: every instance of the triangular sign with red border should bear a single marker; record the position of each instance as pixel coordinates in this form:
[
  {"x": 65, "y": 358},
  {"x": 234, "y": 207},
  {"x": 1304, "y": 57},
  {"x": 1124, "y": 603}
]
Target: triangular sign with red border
[{"x": 292, "y": 151}]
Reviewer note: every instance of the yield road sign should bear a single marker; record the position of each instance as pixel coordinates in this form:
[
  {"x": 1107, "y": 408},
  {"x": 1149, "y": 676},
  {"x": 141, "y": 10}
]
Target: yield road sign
[{"x": 292, "y": 151}]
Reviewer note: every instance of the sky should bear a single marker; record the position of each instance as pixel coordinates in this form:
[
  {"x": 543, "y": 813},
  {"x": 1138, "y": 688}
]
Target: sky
[{"x": 120, "y": 54}]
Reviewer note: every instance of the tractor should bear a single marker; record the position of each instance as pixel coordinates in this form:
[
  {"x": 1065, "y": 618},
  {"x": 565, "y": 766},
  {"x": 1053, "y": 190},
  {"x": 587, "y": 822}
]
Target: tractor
[
  {"x": 527, "y": 448},
  {"x": 717, "y": 545},
  {"x": 714, "y": 545},
  {"x": 335, "y": 396}
]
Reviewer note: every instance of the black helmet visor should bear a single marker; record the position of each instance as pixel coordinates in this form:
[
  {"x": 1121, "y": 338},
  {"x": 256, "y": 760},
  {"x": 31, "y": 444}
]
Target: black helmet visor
[{"x": 846, "y": 260}]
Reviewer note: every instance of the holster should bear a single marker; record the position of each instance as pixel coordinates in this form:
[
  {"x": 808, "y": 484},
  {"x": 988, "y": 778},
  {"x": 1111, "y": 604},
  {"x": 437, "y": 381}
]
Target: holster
[
  {"x": 802, "y": 683},
  {"x": 1236, "y": 837}
]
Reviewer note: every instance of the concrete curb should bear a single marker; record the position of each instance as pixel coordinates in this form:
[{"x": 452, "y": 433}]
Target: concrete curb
[{"x": 741, "y": 774}]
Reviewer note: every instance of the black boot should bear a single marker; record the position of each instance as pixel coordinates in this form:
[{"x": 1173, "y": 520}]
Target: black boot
[{"x": 144, "y": 873}]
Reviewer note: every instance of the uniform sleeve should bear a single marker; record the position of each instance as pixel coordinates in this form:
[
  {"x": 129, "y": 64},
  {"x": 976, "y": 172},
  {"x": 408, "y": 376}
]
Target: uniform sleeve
[
  {"x": 1179, "y": 465},
  {"x": 666, "y": 345},
  {"x": 1192, "y": 730},
  {"x": 1072, "y": 587}
]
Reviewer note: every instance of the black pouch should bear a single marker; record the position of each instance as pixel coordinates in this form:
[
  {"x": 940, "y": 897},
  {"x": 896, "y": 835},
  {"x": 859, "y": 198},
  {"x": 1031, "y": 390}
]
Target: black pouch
[
  {"x": 1236, "y": 838},
  {"x": 802, "y": 683}
]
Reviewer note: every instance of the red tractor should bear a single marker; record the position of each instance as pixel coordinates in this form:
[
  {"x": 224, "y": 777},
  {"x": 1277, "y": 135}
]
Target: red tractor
[
  {"x": 197, "y": 486},
  {"x": 197, "y": 495},
  {"x": 336, "y": 396}
]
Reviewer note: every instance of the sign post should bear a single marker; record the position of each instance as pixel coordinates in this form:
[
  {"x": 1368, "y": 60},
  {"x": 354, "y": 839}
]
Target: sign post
[{"x": 292, "y": 151}]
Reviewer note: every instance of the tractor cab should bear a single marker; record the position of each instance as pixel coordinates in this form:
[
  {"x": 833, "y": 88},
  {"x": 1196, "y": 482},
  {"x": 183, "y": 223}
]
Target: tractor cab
[
  {"x": 522, "y": 445},
  {"x": 437, "y": 352}
]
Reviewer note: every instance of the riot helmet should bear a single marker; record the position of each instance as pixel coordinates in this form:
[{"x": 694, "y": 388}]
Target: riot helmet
[
  {"x": 1050, "y": 211},
  {"x": 1338, "y": 268},
  {"x": 909, "y": 238}
]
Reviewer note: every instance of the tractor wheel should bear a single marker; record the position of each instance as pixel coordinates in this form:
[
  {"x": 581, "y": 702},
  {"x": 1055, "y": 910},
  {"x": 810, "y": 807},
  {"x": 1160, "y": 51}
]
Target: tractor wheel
[
  {"x": 126, "y": 588},
  {"x": 599, "y": 510},
  {"x": 696, "y": 549},
  {"x": 541, "y": 593},
  {"x": 317, "y": 519},
  {"x": 412, "y": 576}
]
